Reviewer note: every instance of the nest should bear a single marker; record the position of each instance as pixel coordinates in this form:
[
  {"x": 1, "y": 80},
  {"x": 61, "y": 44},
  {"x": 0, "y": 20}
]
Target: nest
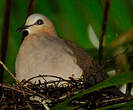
[{"x": 47, "y": 94}]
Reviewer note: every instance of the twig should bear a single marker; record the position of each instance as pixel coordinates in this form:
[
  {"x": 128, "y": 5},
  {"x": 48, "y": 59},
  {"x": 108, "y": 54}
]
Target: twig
[
  {"x": 45, "y": 76},
  {"x": 5, "y": 35},
  {"x": 101, "y": 49},
  {"x": 30, "y": 107},
  {"x": 12, "y": 88},
  {"x": 30, "y": 10},
  {"x": 19, "y": 82},
  {"x": 4, "y": 66},
  {"x": 30, "y": 7},
  {"x": 21, "y": 86},
  {"x": 31, "y": 92}
]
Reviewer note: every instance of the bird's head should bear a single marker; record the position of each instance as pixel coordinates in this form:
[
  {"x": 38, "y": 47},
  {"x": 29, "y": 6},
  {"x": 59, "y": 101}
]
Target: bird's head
[{"x": 37, "y": 23}]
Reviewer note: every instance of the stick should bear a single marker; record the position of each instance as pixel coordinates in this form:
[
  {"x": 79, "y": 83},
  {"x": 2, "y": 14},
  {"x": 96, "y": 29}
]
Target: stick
[
  {"x": 30, "y": 10},
  {"x": 101, "y": 49},
  {"x": 30, "y": 7},
  {"x": 4, "y": 66},
  {"x": 5, "y": 35},
  {"x": 12, "y": 88}
]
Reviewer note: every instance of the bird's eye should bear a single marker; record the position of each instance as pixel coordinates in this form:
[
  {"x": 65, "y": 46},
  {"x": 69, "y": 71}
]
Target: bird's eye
[{"x": 39, "y": 22}]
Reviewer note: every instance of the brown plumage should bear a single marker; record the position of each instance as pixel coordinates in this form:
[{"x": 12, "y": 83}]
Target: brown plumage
[{"x": 92, "y": 72}]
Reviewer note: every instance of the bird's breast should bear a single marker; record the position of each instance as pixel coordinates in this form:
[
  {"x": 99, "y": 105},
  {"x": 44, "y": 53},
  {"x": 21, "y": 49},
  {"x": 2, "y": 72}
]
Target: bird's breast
[{"x": 45, "y": 56}]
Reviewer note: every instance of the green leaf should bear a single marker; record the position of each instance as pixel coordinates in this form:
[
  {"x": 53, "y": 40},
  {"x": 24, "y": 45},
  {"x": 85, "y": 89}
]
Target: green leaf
[
  {"x": 116, "y": 80},
  {"x": 120, "y": 106}
]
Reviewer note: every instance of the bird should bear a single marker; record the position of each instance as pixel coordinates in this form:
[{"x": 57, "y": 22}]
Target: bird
[{"x": 42, "y": 52}]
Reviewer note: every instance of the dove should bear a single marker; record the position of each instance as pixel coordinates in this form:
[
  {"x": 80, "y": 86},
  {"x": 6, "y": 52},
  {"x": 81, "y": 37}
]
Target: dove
[{"x": 42, "y": 52}]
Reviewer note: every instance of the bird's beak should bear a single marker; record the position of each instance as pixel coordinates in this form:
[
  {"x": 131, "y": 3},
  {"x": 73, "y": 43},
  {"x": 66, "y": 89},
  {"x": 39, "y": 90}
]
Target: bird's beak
[{"x": 22, "y": 28}]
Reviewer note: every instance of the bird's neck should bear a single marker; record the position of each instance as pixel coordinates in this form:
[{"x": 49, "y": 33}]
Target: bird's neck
[{"x": 49, "y": 31}]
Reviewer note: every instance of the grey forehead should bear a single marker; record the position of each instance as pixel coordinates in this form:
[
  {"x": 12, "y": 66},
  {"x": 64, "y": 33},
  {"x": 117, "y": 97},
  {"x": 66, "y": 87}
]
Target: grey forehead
[{"x": 34, "y": 17}]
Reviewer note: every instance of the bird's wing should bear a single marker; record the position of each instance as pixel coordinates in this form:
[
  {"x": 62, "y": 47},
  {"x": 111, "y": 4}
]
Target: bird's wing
[{"x": 92, "y": 71}]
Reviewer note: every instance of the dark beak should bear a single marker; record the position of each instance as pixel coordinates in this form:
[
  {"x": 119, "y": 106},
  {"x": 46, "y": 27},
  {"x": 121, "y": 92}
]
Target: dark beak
[{"x": 22, "y": 28}]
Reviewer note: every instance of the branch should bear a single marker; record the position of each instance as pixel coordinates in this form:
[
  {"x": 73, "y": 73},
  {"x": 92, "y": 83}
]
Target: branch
[
  {"x": 5, "y": 35},
  {"x": 30, "y": 10},
  {"x": 30, "y": 7},
  {"x": 4, "y": 66},
  {"x": 15, "y": 89},
  {"x": 106, "y": 11}
]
